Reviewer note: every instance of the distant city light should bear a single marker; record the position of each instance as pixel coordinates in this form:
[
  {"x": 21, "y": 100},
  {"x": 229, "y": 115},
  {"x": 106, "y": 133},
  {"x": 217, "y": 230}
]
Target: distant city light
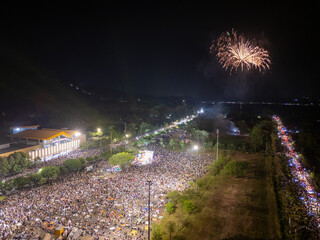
[{"x": 200, "y": 111}]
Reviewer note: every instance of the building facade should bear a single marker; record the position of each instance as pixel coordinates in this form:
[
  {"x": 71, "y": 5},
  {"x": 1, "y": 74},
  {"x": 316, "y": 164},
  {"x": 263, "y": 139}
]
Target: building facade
[{"x": 47, "y": 143}]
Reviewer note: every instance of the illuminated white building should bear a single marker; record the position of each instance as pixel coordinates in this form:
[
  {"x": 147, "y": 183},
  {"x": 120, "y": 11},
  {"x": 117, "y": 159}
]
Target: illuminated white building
[{"x": 48, "y": 143}]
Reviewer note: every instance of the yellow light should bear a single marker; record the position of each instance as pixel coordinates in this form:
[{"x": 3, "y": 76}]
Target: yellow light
[{"x": 99, "y": 129}]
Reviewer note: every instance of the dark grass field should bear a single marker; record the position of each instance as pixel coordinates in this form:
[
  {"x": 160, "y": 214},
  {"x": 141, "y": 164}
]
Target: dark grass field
[{"x": 232, "y": 206}]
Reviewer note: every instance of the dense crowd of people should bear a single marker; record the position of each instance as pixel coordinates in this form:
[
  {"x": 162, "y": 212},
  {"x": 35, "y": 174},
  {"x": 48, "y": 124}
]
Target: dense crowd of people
[
  {"x": 100, "y": 204},
  {"x": 57, "y": 161}
]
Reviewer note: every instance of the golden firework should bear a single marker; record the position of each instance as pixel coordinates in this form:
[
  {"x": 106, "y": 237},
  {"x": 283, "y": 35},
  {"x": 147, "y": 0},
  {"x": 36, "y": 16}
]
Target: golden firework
[{"x": 234, "y": 51}]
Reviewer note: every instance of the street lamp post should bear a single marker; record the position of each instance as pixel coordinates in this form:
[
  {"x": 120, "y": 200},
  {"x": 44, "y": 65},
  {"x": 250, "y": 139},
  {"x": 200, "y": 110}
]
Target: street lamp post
[{"x": 149, "y": 184}]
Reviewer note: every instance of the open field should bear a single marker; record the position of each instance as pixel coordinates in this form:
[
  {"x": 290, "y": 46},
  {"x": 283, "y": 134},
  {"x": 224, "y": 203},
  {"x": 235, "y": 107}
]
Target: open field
[{"x": 232, "y": 206}]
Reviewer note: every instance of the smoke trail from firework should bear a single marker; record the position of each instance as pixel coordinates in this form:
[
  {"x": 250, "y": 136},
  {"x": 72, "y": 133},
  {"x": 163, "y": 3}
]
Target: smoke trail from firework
[{"x": 235, "y": 52}]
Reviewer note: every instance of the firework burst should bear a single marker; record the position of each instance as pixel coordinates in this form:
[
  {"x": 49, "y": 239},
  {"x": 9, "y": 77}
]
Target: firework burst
[{"x": 235, "y": 51}]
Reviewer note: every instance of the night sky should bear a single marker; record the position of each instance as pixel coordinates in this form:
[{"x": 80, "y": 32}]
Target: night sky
[{"x": 162, "y": 48}]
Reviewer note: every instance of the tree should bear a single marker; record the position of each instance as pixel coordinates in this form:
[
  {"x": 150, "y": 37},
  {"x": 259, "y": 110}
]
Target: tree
[
  {"x": 188, "y": 206},
  {"x": 74, "y": 164},
  {"x": 98, "y": 133},
  {"x": 218, "y": 165},
  {"x": 236, "y": 168},
  {"x": 171, "y": 143},
  {"x": 200, "y": 135},
  {"x": 2, "y": 188},
  {"x": 171, "y": 226},
  {"x": 35, "y": 178},
  {"x": 208, "y": 144},
  {"x": 143, "y": 141},
  {"x": 115, "y": 133},
  {"x": 20, "y": 182},
  {"x": 170, "y": 208},
  {"x": 5, "y": 186},
  {"x": 36, "y": 161},
  {"x": 82, "y": 162},
  {"x": 261, "y": 135},
  {"x": 156, "y": 232},
  {"x": 145, "y": 127},
  {"x": 17, "y": 162},
  {"x": 174, "y": 197},
  {"x": 4, "y": 167},
  {"x": 106, "y": 154},
  {"x": 181, "y": 144},
  {"x": 22, "y": 159},
  {"x": 90, "y": 159},
  {"x": 123, "y": 159},
  {"x": 161, "y": 143},
  {"x": 50, "y": 173},
  {"x": 132, "y": 128}
]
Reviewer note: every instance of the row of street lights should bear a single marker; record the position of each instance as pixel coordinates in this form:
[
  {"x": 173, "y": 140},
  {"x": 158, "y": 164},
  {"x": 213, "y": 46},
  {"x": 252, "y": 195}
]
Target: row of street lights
[{"x": 149, "y": 182}]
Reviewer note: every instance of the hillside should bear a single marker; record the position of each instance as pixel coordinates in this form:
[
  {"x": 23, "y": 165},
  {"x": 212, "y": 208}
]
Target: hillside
[{"x": 31, "y": 95}]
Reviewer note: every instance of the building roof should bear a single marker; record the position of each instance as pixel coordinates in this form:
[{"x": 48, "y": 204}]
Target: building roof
[
  {"x": 70, "y": 132},
  {"x": 19, "y": 146},
  {"x": 41, "y": 134},
  {"x": 30, "y": 126}
]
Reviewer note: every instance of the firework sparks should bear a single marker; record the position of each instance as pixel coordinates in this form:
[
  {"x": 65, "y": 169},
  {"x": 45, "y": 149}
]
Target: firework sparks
[{"x": 234, "y": 51}]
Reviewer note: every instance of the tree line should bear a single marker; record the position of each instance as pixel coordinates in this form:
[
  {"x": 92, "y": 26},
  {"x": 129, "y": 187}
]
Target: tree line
[{"x": 50, "y": 173}]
